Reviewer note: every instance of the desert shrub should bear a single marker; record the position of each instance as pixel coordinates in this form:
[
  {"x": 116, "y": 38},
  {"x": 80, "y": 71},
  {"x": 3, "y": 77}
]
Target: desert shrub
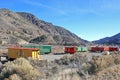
[
  {"x": 67, "y": 76},
  {"x": 79, "y": 59},
  {"x": 99, "y": 63},
  {"x": 84, "y": 69},
  {"x": 13, "y": 77},
  {"x": 76, "y": 59},
  {"x": 38, "y": 63},
  {"x": 111, "y": 73},
  {"x": 65, "y": 60},
  {"x": 54, "y": 70},
  {"x": 116, "y": 58},
  {"x": 48, "y": 68},
  {"x": 1, "y": 66},
  {"x": 22, "y": 68}
]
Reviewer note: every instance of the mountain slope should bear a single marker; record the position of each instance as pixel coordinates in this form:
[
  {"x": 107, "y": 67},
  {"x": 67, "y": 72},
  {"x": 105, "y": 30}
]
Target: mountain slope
[
  {"x": 15, "y": 29},
  {"x": 58, "y": 34},
  {"x": 21, "y": 27},
  {"x": 109, "y": 40}
]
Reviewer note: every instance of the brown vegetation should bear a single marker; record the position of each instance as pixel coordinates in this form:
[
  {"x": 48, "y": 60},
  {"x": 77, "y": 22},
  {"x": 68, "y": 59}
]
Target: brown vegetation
[
  {"x": 102, "y": 62},
  {"x": 69, "y": 67},
  {"x": 20, "y": 69}
]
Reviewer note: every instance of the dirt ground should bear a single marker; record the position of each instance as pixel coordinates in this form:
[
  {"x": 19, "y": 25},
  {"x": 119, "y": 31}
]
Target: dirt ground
[
  {"x": 52, "y": 57},
  {"x": 57, "y": 49}
]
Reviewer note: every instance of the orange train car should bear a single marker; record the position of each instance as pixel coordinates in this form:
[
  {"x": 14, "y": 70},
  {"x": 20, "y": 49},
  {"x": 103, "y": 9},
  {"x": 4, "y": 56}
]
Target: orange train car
[
  {"x": 14, "y": 53},
  {"x": 106, "y": 48}
]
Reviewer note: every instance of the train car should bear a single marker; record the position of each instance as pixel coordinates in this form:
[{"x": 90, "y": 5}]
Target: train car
[
  {"x": 100, "y": 49},
  {"x": 93, "y": 49},
  {"x": 103, "y": 48},
  {"x": 43, "y": 49},
  {"x": 82, "y": 49},
  {"x": 70, "y": 49},
  {"x": 97, "y": 49},
  {"x": 79, "y": 49},
  {"x": 14, "y": 53},
  {"x": 113, "y": 48},
  {"x": 106, "y": 48}
]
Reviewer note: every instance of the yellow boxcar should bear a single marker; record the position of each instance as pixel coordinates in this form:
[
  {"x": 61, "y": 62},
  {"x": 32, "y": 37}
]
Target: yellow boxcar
[{"x": 14, "y": 53}]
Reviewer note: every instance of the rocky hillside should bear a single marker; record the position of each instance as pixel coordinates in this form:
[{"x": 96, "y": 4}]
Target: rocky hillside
[
  {"x": 15, "y": 29},
  {"x": 109, "y": 40},
  {"x": 21, "y": 27}
]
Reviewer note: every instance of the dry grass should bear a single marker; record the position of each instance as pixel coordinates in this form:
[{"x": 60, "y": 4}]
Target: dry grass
[
  {"x": 102, "y": 62},
  {"x": 1, "y": 66},
  {"x": 22, "y": 69},
  {"x": 75, "y": 67},
  {"x": 111, "y": 73},
  {"x": 65, "y": 68},
  {"x": 76, "y": 59}
]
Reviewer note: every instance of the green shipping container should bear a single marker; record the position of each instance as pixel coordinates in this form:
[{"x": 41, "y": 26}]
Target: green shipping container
[
  {"x": 43, "y": 49},
  {"x": 84, "y": 49},
  {"x": 81, "y": 49}
]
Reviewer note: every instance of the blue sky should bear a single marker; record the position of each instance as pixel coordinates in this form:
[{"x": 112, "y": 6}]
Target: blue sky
[{"x": 89, "y": 19}]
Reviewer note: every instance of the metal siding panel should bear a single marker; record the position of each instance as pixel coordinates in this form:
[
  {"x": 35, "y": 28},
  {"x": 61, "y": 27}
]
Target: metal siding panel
[
  {"x": 84, "y": 49},
  {"x": 12, "y": 53}
]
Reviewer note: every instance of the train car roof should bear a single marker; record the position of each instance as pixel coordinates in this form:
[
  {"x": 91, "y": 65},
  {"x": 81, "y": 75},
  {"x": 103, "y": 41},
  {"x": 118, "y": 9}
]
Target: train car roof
[{"x": 34, "y": 49}]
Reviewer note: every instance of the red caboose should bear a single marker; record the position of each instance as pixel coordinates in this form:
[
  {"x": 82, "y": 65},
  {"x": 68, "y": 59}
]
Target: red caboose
[
  {"x": 100, "y": 49},
  {"x": 70, "y": 49},
  {"x": 93, "y": 49},
  {"x": 113, "y": 49}
]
